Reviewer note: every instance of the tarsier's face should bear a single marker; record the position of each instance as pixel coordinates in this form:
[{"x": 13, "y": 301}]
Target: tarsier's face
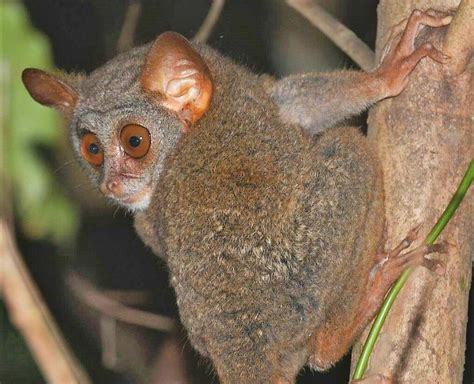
[
  {"x": 122, "y": 141},
  {"x": 124, "y": 179},
  {"x": 128, "y": 115},
  {"x": 121, "y": 163}
]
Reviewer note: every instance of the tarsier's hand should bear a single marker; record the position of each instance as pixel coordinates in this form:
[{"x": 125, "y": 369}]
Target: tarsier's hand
[{"x": 400, "y": 55}]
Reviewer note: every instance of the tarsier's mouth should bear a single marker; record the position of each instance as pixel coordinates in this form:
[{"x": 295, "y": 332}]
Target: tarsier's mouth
[{"x": 136, "y": 201}]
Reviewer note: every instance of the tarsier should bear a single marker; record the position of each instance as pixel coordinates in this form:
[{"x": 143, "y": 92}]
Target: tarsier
[{"x": 269, "y": 217}]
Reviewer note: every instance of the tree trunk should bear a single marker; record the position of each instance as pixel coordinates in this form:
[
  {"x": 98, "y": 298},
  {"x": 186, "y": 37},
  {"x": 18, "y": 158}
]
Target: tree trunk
[{"x": 424, "y": 142}]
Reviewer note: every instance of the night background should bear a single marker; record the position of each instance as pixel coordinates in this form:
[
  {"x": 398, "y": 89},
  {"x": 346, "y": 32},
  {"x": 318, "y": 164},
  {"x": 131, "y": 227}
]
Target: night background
[{"x": 68, "y": 235}]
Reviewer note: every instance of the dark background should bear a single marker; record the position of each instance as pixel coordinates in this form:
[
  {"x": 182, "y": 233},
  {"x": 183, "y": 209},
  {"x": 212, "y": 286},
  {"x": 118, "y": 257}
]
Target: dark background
[{"x": 83, "y": 35}]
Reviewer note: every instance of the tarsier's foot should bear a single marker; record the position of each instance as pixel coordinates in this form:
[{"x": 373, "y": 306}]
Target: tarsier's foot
[
  {"x": 400, "y": 54},
  {"x": 392, "y": 263},
  {"x": 373, "y": 379}
]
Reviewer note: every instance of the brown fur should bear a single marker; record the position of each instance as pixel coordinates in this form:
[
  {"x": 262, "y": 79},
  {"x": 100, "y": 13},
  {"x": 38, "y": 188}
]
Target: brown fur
[
  {"x": 253, "y": 214},
  {"x": 269, "y": 223},
  {"x": 256, "y": 217}
]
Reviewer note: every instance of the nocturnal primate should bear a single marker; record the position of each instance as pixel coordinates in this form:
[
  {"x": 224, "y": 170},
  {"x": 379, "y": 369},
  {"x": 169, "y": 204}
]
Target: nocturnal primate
[{"x": 269, "y": 216}]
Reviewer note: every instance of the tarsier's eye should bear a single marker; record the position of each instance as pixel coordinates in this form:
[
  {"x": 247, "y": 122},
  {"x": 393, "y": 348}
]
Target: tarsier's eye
[
  {"x": 91, "y": 149},
  {"x": 135, "y": 140}
]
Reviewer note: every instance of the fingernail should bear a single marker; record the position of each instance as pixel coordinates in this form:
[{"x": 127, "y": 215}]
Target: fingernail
[
  {"x": 446, "y": 57},
  {"x": 447, "y": 19}
]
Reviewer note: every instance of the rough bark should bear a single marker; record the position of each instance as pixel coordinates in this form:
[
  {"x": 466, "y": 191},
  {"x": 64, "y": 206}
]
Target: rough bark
[{"x": 424, "y": 141}]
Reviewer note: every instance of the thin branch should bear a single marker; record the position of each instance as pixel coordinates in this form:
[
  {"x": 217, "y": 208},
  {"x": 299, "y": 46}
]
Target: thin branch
[
  {"x": 209, "y": 22},
  {"x": 338, "y": 33},
  {"x": 127, "y": 34},
  {"x": 108, "y": 336},
  {"x": 130, "y": 297},
  {"x": 30, "y": 315},
  {"x": 116, "y": 310}
]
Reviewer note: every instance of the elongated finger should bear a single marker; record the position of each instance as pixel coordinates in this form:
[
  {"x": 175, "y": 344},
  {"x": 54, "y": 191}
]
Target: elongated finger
[
  {"x": 417, "y": 19},
  {"x": 425, "y": 50}
]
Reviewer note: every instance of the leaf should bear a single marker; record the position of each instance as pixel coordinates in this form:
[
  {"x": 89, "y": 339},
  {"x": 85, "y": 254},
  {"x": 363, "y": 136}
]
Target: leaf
[{"x": 40, "y": 202}]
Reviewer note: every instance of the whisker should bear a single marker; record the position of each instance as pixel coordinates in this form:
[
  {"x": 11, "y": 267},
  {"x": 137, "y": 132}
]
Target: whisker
[
  {"x": 86, "y": 186},
  {"x": 64, "y": 165}
]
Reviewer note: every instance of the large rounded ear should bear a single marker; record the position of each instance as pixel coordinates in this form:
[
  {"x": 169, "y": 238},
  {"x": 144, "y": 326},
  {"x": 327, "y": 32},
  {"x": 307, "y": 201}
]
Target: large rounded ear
[
  {"x": 48, "y": 90},
  {"x": 178, "y": 76}
]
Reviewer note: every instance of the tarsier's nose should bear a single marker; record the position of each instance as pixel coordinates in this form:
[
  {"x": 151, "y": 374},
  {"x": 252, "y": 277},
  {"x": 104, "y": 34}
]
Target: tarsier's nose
[{"x": 111, "y": 187}]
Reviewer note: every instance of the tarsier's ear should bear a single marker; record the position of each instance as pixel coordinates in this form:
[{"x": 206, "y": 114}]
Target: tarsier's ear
[
  {"x": 178, "y": 76},
  {"x": 48, "y": 90}
]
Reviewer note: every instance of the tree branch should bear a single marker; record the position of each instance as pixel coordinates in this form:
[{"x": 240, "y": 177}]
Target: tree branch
[
  {"x": 116, "y": 310},
  {"x": 423, "y": 139},
  {"x": 127, "y": 34},
  {"x": 338, "y": 33},
  {"x": 209, "y": 22},
  {"x": 30, "y": 315},
  {"x": 130, "y": 297}
]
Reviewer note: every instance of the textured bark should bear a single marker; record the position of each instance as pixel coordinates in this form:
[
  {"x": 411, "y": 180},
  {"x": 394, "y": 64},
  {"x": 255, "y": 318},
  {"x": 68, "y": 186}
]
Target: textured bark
[{"x": 424, "y": 141}]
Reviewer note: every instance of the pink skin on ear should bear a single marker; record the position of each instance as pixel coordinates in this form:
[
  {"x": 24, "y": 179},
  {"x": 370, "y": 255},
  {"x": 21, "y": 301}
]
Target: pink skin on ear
[
  {"x": 50, "y": 91},
  {"x": 178, "y": 76}
]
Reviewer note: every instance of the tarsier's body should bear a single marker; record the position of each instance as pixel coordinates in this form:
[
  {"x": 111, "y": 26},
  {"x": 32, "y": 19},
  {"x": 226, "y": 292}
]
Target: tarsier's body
[{"x": 268, "y": 222}]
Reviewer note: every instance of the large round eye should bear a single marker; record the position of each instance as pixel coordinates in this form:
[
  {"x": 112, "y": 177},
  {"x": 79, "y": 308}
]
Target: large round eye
[
  {"x": 135, "y": 140},
  {"x": 91, "y": 149}
]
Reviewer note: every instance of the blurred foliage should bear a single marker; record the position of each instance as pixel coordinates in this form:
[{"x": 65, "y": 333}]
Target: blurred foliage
[{"x": 28, "y": 131}]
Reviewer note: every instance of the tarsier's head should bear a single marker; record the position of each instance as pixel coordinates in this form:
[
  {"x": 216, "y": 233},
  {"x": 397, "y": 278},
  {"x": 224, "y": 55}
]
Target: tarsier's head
[{"x": 127, "y": 116}]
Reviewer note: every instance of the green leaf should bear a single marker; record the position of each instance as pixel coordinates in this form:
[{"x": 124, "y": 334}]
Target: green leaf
[{"x": 40, "y": 202}]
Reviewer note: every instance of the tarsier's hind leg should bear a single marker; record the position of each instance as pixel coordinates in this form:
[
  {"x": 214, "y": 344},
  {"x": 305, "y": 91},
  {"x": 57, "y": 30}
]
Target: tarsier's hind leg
[{"x": 330, "y": 342}]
